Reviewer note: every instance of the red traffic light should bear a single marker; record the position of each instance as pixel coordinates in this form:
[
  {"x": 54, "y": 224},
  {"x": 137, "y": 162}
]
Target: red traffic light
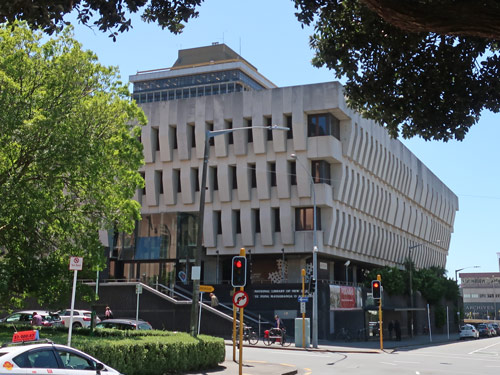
[
  {"x": 376, "y": 284},
  {"x": 238, "y": 263}
]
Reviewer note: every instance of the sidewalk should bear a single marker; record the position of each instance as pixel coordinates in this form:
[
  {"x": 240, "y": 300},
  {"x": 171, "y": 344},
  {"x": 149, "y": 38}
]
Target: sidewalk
[{"x": 266, "y": 368}]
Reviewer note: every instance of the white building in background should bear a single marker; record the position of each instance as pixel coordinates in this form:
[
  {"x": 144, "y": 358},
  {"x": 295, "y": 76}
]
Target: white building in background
[{"x": 374, "y": 198}]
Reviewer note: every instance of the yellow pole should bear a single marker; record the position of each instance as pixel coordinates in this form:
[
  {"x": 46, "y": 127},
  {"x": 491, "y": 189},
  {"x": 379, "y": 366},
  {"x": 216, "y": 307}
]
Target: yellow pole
[
  {"x": 380, "y": 324},
  {"x": 234, "y": 329},
  {"x": 303, "y": 313},
  {"x": 242, "y": 253}
]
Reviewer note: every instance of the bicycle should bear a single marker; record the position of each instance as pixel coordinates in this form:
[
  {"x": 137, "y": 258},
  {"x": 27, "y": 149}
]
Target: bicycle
[
  {"x": 344, "y": 334},
  {"x": 248, "y": 335},
  {"x": 276, "y": 335}
]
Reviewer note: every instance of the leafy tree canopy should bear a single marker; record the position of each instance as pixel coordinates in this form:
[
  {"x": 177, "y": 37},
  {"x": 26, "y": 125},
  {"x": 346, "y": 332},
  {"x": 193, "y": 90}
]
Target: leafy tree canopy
[
  {"x": 392, "y": 279},
  {"x": 69, "y": 161},
  {"x": 431, "y": 84},
  {"x": 420, "y": 68}
]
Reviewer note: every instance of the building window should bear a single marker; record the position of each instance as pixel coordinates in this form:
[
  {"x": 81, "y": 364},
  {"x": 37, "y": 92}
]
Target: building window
[
  {"x": 288, "y": 122},
  {"x": 218, "y": 220},
  {"x": 304, "y": 218},
  {"x": 253, "y": 175},
  {"x": 191, "y": 128},
  {"x": 233, "y": 176},
  {"x": 196, "y": 178},
  {"x": 173, "y": 136},
  {"x": 155, "y": 139},
  {"x": 269, "y": 122},
  {"x": 229, "y": 125},
  {"x": 213, "y": 176},
  {"x": 210, "y": 128},
  {"x": 256, "y": 218},
  {"x": 292, "y": 170},
  {"x": 143, "y": 175},
  {"x": 320, "y": 171},
  {"x": 272, "y": 172},
  {"x": 177, "y": 179},
  {"x": 323, "y": 124},
  {"x": 277, "y": 223},
  {"x": 237, "y": 220},
  {"x": 249, "y": 131},
  {"x": 159, "y": 177}
]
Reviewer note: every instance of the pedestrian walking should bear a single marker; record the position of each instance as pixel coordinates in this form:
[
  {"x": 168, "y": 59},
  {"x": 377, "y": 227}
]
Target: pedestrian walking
[
  {"x": 391, "y": 327},
  {"x": 214, "y": 301},
  {"x": 36, "y": 319},
  {"x": 108, "y": 314},
  {"x": 397, "y": 329}
]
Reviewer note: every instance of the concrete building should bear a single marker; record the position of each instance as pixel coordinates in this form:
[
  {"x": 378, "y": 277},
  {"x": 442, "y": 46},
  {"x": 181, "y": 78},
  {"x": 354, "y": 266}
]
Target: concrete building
[
  {"x": 481, "y": 294},
  {"x": 374, "y": 198}
]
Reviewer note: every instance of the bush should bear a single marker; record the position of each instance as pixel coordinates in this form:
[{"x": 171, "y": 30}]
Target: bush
[{"x": 139, "y": 352}]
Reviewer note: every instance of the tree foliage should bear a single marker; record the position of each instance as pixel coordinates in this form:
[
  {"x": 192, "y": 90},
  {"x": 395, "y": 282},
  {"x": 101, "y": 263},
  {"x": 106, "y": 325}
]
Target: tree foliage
[
  {"x": 420, "y": 68},
  {"x": 392, "y": 279},
  {"x": 69, "y": 160},
  {"x": 110, "y": 16},
  {"x": 426, "y": 84}
]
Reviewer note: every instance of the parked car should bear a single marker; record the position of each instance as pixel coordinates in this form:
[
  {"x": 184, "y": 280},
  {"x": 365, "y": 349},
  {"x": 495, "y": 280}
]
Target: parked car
[
  {"x": 497, "y": 328},
  {"x": 49, "y": 319},
  {"x": 38, "y": 358},
  {"x": 483, "y": 330},
  {"x": 468, "y": 331},
  {"x": 124, "y": 324},
  {"x": 492, "y": 329},
  {"x": 81, "y": 318}
]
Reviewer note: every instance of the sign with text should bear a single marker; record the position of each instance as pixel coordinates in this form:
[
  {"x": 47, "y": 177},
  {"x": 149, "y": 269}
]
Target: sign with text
[
  {"x": 75, "y": 263},
  {"x": 206, "y": 288},
  {"x": 345, "y": 297},
  {"x": 26, "y": 336}
]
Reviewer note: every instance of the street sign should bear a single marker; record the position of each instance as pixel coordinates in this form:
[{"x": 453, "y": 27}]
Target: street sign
[
  {"x": 303, "y": 299},
  {"x": 75, "y": 263},
  {"x": 206, "y": 288},
  {"x": 138, "y": 288},
  {"x": 240, "y": 299},
  {"x": 302, "y": 307}
]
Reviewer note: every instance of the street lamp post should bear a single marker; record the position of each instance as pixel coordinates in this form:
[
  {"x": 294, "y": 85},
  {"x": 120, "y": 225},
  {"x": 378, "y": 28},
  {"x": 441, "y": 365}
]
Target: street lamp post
[
  {"x": 458, "y": 298},
  {"x": 315, "y": 259},
  {"x": 199, "y": 238}
]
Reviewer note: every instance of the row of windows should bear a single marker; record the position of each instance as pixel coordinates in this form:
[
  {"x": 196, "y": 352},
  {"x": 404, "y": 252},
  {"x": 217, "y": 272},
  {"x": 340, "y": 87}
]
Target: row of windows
[
  {"x": 320, "y": 175},
  {"x": 228, "y": 124},
  {"x": 192, "y": 92},
  {"x": 197, "y": 80},
  {"x": 304, "y": 219},
  {"x": 481, "y": 295}
]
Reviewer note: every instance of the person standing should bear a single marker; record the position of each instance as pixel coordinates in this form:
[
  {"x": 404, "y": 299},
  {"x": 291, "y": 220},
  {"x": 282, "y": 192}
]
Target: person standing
[
  {"x": 36, "y": 319},
  {"x": 391, "y": 327},
  {"x": 214, "y": 301},
  {"x": 108, "y": 314},
  {"x": 397, "y": 329}
]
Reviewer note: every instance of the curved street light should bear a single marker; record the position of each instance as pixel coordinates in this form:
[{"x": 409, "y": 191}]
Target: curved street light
[{"x": 194, "y": 328}]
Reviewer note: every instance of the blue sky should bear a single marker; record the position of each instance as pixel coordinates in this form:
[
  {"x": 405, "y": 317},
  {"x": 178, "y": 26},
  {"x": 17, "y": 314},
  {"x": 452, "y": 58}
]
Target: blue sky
[{"x": 267, "y": 34}]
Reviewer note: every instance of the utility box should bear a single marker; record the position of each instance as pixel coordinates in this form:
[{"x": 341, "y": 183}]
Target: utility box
[{"x": 298, "y": 332}]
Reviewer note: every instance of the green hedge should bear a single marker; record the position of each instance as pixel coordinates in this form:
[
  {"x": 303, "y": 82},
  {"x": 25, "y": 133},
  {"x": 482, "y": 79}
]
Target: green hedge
[{"x": 141, "y": 352}]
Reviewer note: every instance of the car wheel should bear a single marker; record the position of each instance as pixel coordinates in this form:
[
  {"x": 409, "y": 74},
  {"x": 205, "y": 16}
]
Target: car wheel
[{"x": 77, "y": 325}]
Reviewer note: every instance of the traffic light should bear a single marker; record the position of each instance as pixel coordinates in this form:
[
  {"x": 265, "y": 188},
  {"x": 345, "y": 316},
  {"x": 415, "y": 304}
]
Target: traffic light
[
  {"x": 376, "y": 289},
  {"x": 239, "y": 272},
  {"x": 312, "y": 286}
]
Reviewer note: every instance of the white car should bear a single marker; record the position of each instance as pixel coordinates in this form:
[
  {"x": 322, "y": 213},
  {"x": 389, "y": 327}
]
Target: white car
[
  {"x": 468, "y": 331},
  {"x": 49, "y": 358},
  {"x": 81, "y": 318}
]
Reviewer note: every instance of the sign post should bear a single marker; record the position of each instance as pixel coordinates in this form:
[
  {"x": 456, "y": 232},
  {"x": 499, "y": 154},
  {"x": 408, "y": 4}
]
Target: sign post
[
  {"x": 138, "y": 291},
  {"x": 75, "y": 265},
  {"x": 303, "y": 308}
]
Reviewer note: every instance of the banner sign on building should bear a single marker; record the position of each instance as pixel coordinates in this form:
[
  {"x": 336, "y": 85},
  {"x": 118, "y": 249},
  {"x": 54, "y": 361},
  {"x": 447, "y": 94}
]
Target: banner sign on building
[{"x": 345, "y": 298}]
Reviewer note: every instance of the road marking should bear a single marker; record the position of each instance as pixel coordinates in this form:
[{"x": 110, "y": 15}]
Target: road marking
[
  {"x": 389, "y": 363},
  {"x": 286, "y": 364},
  {"x": 407, "y": 362},
  {"x": 486, "y": 347}
]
